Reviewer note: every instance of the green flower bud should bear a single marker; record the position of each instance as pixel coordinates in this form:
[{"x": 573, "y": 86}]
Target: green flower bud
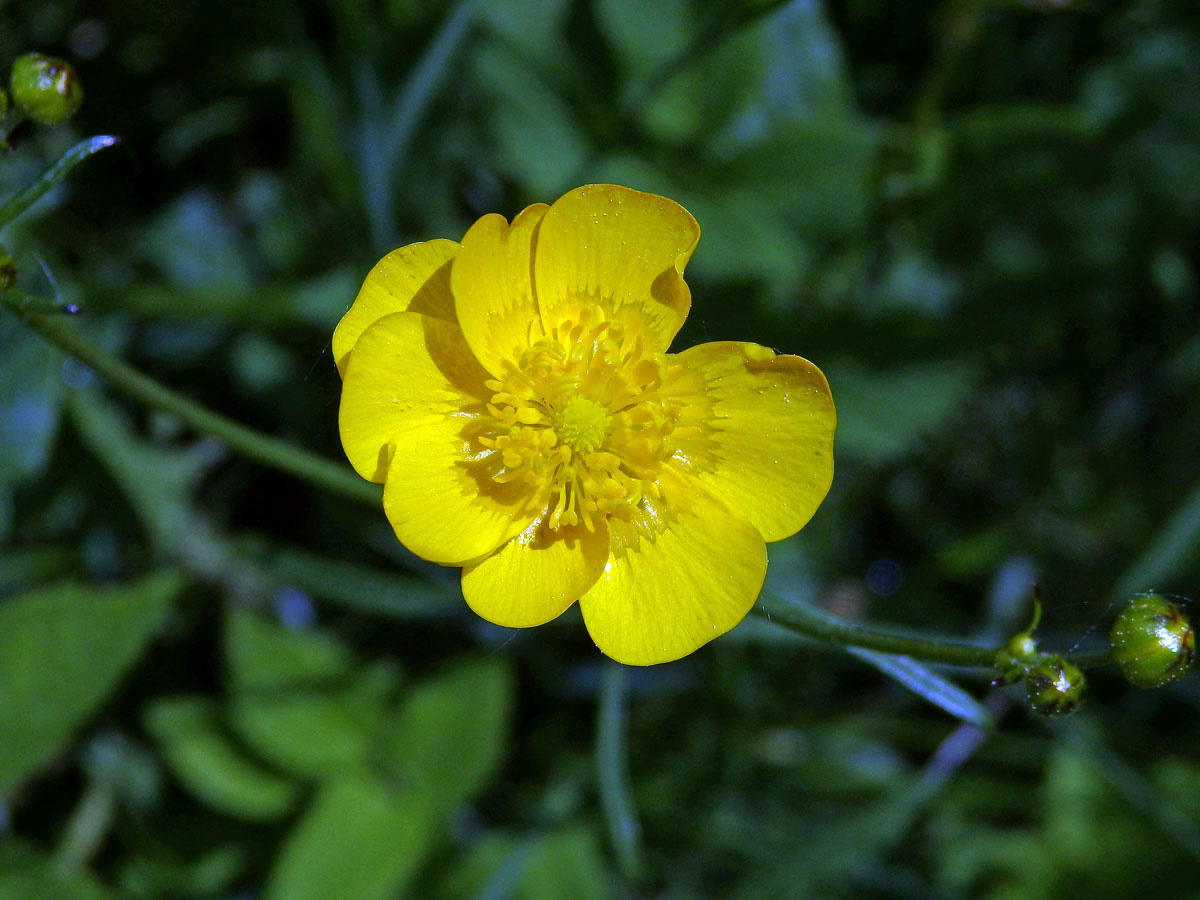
[
  {"x": 1054, "y": 686},
  {"x": 3, "y": 102},
  {"x": 8, "y": 270},
  {"x": 46, "y": 90},
  {"x": 1152, "y": 641}
]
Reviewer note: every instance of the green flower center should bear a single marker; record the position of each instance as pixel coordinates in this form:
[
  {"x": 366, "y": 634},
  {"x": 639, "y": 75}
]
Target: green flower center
[{"x": 582, "y": 425}]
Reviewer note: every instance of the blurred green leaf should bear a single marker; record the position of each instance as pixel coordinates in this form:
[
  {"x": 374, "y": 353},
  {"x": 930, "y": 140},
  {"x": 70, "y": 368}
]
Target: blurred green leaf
[
  {"x": 156, "y": 480},
  {"x": 31, "y": 397},
  {"x": 197, "y": 246},
  {"x": 538, "y": 140},
  {"x": 281, "y": 726},
  {"x": 262, "y": 655},
  {"x": 381, "y": 592},
  {"x": 451, "y": 733},
  {"x": 565, "y": 862},
  {"x": 62, "y": 651},
  {"x": 360, "y": 840},
  {"x": 27, "y": 875},
  {"x": 210, "y": 765},
  {"x": 883, "y": 414}
]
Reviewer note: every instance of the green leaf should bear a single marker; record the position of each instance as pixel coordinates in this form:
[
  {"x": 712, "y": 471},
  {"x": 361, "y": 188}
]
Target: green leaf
[
  {"x": 208, "y": 763},
  {"x": 538, "y": 140},
  {"x": 62, "y": 651},
  {"x": 567, "y": 863},
  {"x": 31, "y": 396},
  {"x": 380, "y": 592},
  {"x": 27, "y": 875},
  {"x": 361, "y": 840},
  {"x": 156, "y": 481},
  {"x": 926, "y": 683},
  {"x": 883, "y": 414},
  {"x": 263, "y": 655},
  {"x": 317, "y": 733},
  {"x": 451, "y": 733}
]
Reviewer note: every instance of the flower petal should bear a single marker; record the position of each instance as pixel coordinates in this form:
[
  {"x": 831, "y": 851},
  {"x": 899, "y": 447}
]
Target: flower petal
[
  {"x": 405, "y": 368},
  {"x": 684, "y": 571},
  {"x": 769, "y": 422},
  {"x": 416, "y": 277},
  {"x": 442, "y": 504},
  {"x": 493, "y": 288},
  {"x": 621, "y": 248},
  {"x": 412, "y": 395},
  {"x": 536, "y": 575}
]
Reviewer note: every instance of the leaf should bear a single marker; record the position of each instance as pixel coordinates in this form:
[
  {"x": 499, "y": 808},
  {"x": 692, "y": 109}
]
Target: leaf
[
  {"x": 359, "y": 588},
  {"x": 926, "y": 683},
  {"x": 156, "y": 481},
  {"x": 31, "y": 396},
  {"x": 451, "y": 733},
  {"x": 883, "y": 414},
  {"x": 264, "y": 655},
  {"x": 317, "y": 733},
  {"x": 27, "y": 875},
  {"x": 208, "y": 763},
  {"x": 361, "y": 840},
  {"x": 62, "y": 651}
]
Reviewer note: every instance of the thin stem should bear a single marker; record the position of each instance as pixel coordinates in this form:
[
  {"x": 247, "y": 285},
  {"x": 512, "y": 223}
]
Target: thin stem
[
  {"x": 612, "y": 770},
  {"x": 254, "y": 444},
  {"x": 25, "y": 198},
  {"x": 799, "y": 617},
  {"x": 821, "y": 626}
]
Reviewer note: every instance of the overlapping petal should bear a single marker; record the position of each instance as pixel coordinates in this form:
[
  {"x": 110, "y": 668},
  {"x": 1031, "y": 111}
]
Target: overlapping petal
[
  {"x": 416, "y": 277},
  {"x": 406, "y": 368},
  {"x": 537, "y": 575},
  {"x": 492, "y": 281},
  {"x": 621, "y": 248},
  {"x": 684, "y": 571},
  {"x": 769, "y": 422}
]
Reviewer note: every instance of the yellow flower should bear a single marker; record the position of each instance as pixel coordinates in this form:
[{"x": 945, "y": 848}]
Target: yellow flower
[{"x": 514, "y": 395}]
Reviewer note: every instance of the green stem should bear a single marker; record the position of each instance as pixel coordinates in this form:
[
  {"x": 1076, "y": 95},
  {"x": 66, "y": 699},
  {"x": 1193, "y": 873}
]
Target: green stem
[
  {"x": 259, "y": 447},
  {"x": 799, "y": 617},
  {"x": 612, "y": 770},
  {"x": 821, "y": 626},
  {"x": 23, "y": 199}
]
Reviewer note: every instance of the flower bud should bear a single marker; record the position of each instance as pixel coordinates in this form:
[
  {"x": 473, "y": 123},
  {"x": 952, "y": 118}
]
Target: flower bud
[
  {"x": 46, "y": 90},
  {"x": 1054, "y": 686},
  {"x": 3, "y": 102},
  {"x": 1152, "y": 641}
]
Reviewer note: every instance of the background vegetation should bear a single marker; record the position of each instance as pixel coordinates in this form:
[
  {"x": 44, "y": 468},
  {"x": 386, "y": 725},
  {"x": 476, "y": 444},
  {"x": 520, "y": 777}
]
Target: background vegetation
[{"x": 979, "y": 217}]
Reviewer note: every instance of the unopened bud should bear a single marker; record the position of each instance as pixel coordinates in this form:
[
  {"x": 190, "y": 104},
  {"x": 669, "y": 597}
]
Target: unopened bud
[
  {"x": 1152, "y": 641},
  {"x": 45, "y": 89},
  {"x": 1054, "y": 686}
]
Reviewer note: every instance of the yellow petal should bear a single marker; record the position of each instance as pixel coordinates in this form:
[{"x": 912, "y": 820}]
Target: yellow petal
[
  {"x": 406, "y": 368},
  {"x": 536, "y": 575},
  {"x": 442, "y": 504},
  {"x": 684, "y": 571},
  {"x": 416, "y": 277},
  {"x": 621, "y": 248},
  {"x": 493, "y": 290},
  {"x": 769, "y": 422}
]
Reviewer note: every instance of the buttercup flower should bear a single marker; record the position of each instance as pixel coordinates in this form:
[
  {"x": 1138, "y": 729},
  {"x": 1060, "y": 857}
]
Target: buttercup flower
[{"x": 514, "y": 395}]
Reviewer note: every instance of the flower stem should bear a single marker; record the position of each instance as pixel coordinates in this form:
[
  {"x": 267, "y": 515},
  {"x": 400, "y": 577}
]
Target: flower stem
[
  {"x": 254, "y": 444},
  {"x": 821, "y": 626},
  {"x": 25, "y": 198},
  {"x": 794, "y": 615}
]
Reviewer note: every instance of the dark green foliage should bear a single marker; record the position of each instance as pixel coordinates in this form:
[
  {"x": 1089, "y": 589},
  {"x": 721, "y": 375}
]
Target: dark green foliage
[{"x": 979, "y": 218}]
